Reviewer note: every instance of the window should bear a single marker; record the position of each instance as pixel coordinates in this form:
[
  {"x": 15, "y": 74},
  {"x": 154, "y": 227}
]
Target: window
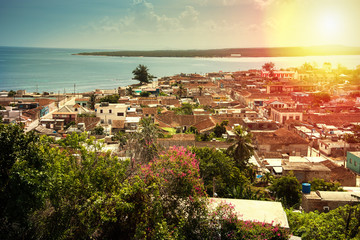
[
  {"x": 110, "y": 111},
  {"x": 101, "y": 111},
  {"x": 102, "y": 121},
  {"x": 109, "y": 121},
  {"x": 120, "y": 114},
  {"x": 297, "y": 117}
]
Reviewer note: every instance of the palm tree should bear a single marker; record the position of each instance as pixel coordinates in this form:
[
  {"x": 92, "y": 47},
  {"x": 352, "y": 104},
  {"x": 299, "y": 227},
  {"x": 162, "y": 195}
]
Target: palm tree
[
  {"x": 130, "y": 91},
  {"x": 181, "y": 90},
  {"x": 141, "y": 73},
  {"x": 200, "y": 90},
  {"x": 242, "y": 149},
  {"x": 92, "y": 101}
]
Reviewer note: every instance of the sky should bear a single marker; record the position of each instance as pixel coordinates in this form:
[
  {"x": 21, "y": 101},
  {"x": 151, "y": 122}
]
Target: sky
[{"x": 179, "y": 24}]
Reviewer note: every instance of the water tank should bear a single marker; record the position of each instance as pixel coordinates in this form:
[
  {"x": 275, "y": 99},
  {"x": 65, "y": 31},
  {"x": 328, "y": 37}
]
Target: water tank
[{"x": 306, "y": 188}]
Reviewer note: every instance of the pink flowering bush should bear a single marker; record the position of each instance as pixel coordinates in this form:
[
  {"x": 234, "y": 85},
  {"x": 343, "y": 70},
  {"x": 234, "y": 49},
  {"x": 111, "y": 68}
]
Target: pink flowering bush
[{"x": 178, "y": 194}]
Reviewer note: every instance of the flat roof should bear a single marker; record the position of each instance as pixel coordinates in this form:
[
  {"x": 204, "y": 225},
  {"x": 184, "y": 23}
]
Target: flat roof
[{"x": 255, "y": 210}]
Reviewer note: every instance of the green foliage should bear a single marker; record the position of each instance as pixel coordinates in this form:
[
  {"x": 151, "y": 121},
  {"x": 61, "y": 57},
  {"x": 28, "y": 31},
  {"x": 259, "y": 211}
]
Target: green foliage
[
  {"x": 320, "y": 97},
  {"x": 218, "y": 171},
  {"x": 121, "y": 137},
  {"x": 323, "y": 226},
  {"x": 110, "y": 98},
  {"x": 192, "y": 130},
  {"x": 242, "y": 149},
  {"x": 87, "y": 115},
  {"x": 142, "y": 145},
  {"x": 163, "y": 94},
  {"x": 69, "y": 124},
  {"x": 11, "y": 93},
  {"x": 142, "y": 75},
  {"x": 287, "y": 189},
  {"x": 75, "y": 190},
  {"x": 21, "y": 180},
  {"x": 219, "y": 130},
  {"x": 185, "y": 109},
  {"x": 92, "y": 101},
  {"x": 144, "y": 94},
  {"x": 321, "y": 185},
  {"x": 99, "y": 130}
]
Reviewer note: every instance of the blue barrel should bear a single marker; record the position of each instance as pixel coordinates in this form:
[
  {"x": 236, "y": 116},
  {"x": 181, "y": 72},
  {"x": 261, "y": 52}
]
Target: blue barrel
[{"x": 306, "y": 188}]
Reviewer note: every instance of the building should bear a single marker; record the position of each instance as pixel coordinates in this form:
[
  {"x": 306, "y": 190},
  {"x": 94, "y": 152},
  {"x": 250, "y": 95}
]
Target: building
[
  {"x": 108, "y": 112},
  {"x": 281, "y": 115},
  {"x": 353, "y": 161},
  {"x": 278, "y": 74},
  {"x": 333, "y": 147},
  {"x": 324, "y": 201},
  {"x": 282, "y": 141},
  {"x": 306, "y": 172}
]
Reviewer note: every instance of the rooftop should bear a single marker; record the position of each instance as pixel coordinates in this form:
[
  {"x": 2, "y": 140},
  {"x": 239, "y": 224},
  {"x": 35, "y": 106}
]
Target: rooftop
[{"x": 255, "y": 210}]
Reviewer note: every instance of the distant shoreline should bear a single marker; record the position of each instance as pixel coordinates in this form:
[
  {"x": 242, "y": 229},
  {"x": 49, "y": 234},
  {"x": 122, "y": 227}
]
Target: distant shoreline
[{"x": 234, "y": 52}]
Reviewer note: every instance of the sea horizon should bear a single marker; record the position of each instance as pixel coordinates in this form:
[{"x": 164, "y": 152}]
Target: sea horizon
[{"x": 58, "y": 69}]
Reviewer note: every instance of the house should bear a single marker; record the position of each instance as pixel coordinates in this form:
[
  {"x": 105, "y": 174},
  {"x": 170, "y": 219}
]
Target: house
[
  {"x": 149, "y": 112},
  {"x": 69, "y": 113},
  {"x": 281, "y": 115},
  {"x": 108, "y": 112},
  {"x": 84, "y": 102},
  {"x": 353, "y": 161},
  {"x": 305, "y": 172},
  {"x": 281, "y": 140},
  {"x": 332, "y": 147},
  {"x": 324, "y": 201},
  {"x": 184, "y": 140},
  {"x": 340, "y": 174}
]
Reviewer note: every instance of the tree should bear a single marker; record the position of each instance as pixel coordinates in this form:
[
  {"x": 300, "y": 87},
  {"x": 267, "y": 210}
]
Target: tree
[
  {"x": 287, "y": 189},
  {"x": 92, "y": 101},
  {"x": 110, "y": 98},
  {"x": 11, "y": 93},
  {"x": 321, "y": 185},
  {"x": 269, "y": 66},
  {"x": 142, "y": 145},
  {"x": 99, "y": 130},
  {"x": 21, "y": 180},
  {"x": 142, "y": 75},
  {"x": 181, "y": 90},
  {"x": 130, "y": 91},
  {"x": 218, "y": 171},
  {"x": 144, "y": 94},
  {"x": 307, "y": 67},
  {"x": 219, "y": 130},
  {"x": 242, "y": 149},
  {"x": 200, "y": 90},
  {"x": 340, "y": 223}
]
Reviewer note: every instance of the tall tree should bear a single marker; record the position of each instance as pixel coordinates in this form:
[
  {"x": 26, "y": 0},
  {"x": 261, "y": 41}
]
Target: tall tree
[
  {"x": 92, "y": 101},
  {"x": 269, "y": 66},
  {"x": 141, "y": 73},
  {"x": 242, "y": 149},
  {"x": 287, "y": 190}
]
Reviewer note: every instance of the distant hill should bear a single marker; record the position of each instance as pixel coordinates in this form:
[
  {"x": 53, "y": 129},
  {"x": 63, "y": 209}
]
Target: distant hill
[{"x": 236, "y": 52}]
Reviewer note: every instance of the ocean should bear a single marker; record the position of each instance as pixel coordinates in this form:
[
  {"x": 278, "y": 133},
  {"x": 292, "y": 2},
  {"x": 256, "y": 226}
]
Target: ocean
[{"x": 53, "y": 70}]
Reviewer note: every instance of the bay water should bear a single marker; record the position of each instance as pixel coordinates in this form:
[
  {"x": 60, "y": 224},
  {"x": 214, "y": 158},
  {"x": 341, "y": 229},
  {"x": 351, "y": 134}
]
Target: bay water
[{"x": 54, "y": 70}]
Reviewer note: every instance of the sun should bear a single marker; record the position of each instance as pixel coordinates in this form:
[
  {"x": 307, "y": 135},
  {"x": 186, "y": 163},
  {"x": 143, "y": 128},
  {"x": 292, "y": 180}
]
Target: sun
[{"x": 329, "y": 24}]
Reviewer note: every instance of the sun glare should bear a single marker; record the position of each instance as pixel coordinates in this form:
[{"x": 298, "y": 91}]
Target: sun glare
[{"x": 329, "y": 24}]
